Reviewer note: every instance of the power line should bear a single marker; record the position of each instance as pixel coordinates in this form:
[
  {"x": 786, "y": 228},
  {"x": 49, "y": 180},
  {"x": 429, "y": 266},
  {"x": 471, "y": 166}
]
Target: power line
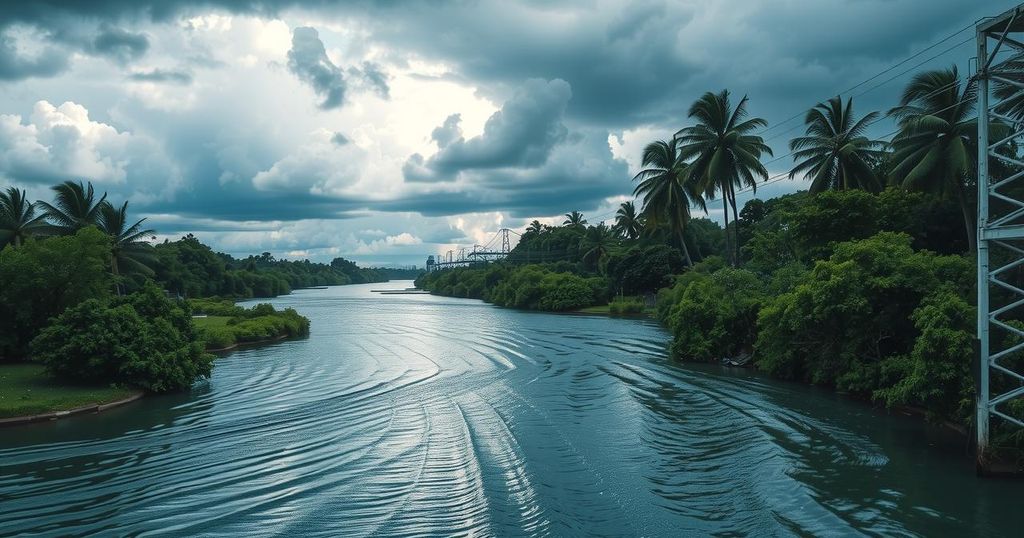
[{"x": 883, "y": 72}]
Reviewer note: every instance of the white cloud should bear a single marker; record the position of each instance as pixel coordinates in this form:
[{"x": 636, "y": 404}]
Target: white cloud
[
  {"x": 320, "y": 167},
  {"x": 58, "y": 143}
]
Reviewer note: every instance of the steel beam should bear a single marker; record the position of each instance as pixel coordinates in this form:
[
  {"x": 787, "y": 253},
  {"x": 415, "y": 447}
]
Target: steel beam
[{"x": 1000, "y": 232}]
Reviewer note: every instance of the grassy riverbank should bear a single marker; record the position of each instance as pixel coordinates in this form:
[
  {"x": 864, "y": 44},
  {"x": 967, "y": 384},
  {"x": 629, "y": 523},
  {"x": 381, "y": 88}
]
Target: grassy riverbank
[
  {"x": 225, "y": 325},
  {"x": 25, "y": 389}
]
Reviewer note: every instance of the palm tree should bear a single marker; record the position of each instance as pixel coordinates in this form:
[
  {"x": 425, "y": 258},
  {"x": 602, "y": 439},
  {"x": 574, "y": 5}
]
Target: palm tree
[
  {"x": 835, "y": 153},
  {"x": 596, "y": 245},
  {"x": 936, "y": 147},
  {"x": 574, "y": 220},
  {"x": 76, "y": 207},
  {"x": 628, "y": 223},
  {"x": 128, "y": 246},
  {"x": 668, "y": 190},
  {"x": 725, "y": 154},
  {"x": 18, "y": 218},
  {"x": 536, "y": 227}
]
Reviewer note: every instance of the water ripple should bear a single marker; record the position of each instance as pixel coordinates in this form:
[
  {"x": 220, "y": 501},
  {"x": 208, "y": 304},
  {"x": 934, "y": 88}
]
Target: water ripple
[{"x": 425, "y": 416}]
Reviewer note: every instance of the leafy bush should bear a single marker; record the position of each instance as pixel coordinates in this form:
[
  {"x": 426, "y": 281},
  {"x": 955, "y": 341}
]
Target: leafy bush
[
  {"x": 536, "y": 287},
  {"x": 628, "y": 306},
  {"x": 935, "y": 374},
  {"x": 142, "y": 340},
  {"x": 852, "y": 311},
  {"x": 41, "y": 278},
  {"x": 233, "y": 324},
  {"x": 716, "y": 314}
]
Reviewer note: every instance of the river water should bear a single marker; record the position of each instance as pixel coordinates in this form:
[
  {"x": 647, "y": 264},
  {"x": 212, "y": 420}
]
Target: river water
[{"x": 414, "y": 415}]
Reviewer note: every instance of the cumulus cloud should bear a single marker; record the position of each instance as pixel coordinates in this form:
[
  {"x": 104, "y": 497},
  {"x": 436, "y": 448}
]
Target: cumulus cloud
[
  {"x": 308, "y": 60},
  {"x": 522, "y": 133},
  {"x": 320, "y": 167},
  {"x": 448, "y": 132},
  {"x": 61, "y": 142},
  {"x": 579, "y": 173}
]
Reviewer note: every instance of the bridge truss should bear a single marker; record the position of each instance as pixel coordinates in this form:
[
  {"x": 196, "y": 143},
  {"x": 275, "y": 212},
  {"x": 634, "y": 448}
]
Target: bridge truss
[
  {"x": 999, "y": 379},
  {"x": 498, "y": 248}
]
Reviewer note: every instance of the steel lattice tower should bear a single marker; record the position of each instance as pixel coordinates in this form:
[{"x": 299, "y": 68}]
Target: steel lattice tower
[{"x": 1000, "y": 222}]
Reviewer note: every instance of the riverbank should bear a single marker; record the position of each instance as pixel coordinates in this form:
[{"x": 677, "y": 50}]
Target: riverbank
[
  {"x": 27, "y": 394},
  {"x": 225, "y": 325}
]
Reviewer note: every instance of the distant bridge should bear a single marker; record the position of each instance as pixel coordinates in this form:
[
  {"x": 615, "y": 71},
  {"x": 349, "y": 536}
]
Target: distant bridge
[{"x": 498, "y": 248}]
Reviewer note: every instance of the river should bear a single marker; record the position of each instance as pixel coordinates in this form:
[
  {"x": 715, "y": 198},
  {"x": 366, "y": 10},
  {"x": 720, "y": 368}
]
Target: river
[{"x": 415, "y": 415}]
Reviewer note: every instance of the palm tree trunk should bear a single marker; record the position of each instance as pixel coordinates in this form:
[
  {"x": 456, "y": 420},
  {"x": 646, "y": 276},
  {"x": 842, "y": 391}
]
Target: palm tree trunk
[
  {"x": 728, "y": 242},
  {"x": 969, "y": 218},
  {"x": 686, "y": 251},
  {"x": 735, "y": 225},
  {"x": 114, "y": 271}
]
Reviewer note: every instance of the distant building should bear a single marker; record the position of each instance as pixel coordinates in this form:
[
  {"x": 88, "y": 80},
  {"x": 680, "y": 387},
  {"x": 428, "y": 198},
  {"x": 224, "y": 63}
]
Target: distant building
[{"x": 430, "y": 263}]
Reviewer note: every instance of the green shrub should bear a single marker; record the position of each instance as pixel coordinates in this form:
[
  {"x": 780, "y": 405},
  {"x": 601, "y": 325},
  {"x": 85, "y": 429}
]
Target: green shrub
[
  {"x": 852, "y": 311},
  {"x": 41, "y": 278},
  {"x": 142, "y": 340},
  {"x": 629, "y": 306},
  {"x": 716, "y": 315}
]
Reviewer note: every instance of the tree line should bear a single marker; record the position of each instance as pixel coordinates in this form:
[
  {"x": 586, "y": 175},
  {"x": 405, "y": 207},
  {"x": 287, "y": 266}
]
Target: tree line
[
  {"x": 864, "y": 282},
  {"x": 84, "y": 291}
]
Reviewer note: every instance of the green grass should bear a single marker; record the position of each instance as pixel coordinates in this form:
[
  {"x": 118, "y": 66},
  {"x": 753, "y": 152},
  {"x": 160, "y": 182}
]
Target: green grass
[
  {"x": 25, "y": 389},
  {"x": 599, "y": 309},
  {"x": 211, "y": 322}
]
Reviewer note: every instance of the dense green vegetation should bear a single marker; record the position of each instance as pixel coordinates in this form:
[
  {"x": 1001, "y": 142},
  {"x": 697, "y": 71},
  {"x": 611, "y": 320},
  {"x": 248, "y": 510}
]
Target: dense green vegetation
[
  {"x": 188, "y": 268},
  {"x": 864, "y": 283},
  {"x": 227, "y": 324},
  {"x": 87, "y": 297},
  {"x": 140, "y": 340}
]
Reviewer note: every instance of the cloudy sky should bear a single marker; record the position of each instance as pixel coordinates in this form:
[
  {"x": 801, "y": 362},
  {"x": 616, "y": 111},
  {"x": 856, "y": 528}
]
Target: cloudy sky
[{"x": 386, "y": 131}]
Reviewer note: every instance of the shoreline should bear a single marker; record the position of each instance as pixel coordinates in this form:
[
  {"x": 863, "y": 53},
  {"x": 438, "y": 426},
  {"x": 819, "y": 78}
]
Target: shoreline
[
  {"x": 100, "y": 407},
  {"x": 55, "y": 415},
  {"x": 237, "y": 345}
]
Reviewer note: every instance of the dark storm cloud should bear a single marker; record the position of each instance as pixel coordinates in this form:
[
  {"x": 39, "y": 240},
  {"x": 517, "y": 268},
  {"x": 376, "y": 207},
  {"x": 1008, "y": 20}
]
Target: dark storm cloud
[
  {"x": 119, "y": 44},
  {"x": 14, "y": 66},
  {"x": 308, "y": 61},
  {"x": 521, "y": 134},
  {"x": 162, "y": 75},
  {"x": 628, "y": 65}
]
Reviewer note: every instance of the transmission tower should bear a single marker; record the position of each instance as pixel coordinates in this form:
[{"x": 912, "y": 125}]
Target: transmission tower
[
  {"x": 1000, "y": 227},
  {"x": 504, "y": 241}
]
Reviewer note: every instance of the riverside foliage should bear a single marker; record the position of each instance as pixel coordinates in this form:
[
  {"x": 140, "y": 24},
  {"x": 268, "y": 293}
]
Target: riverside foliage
[{"x": 83, "y": 292}]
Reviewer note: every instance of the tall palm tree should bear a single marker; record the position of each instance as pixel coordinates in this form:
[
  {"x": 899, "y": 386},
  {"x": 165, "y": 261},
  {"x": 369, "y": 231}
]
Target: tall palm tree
[
  {"x": 128, "y": 247},
  {"x": 835, "y": 153},
  {"x": 596, "y": 245},
  {"x": 668, "y": 190},
  {"x": 18, "y": 218},
  {"x": 936, "y": 147},
  {"x": 75, "y": 207},
  {"x": 574, "y": 220},
  {"x": 536, "y": 227},
  {"x": 725, "y": 154},
  {"x": 628, "y": 223}
]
